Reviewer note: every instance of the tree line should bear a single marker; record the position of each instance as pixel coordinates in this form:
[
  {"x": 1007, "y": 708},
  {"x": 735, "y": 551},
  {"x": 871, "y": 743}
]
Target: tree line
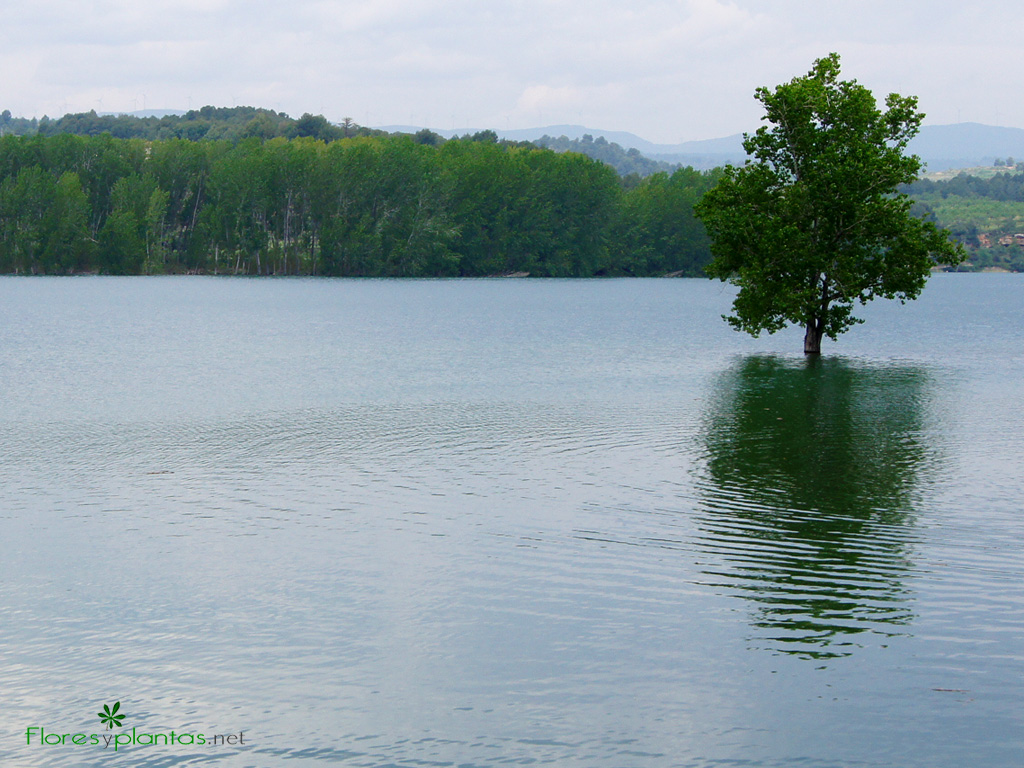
[
  {"x": 1007, "y": 186},
  {"x": 208, "y": 123},
  {"x": 385, "y": 205}
]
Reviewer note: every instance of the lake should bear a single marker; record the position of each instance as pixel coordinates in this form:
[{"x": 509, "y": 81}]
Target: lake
[{"x": 506, "y": 522}]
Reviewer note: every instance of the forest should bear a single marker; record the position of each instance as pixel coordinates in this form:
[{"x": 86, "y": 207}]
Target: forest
[{"x": 361, "y": 205}]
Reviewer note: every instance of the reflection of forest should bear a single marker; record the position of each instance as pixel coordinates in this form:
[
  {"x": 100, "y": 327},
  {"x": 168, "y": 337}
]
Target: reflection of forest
[{"x": 810, "y": 474}]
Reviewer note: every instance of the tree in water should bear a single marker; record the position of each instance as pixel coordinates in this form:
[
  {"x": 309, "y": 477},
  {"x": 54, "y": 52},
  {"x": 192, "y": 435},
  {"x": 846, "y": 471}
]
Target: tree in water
[{"x": 814, "y": 221}]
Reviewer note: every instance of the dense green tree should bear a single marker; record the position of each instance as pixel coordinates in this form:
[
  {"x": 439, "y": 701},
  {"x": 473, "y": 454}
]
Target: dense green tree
[
  {"x": 182, "y": 170},
  {"x": 657, "y": 232},
  {"x": 317, "y": 127},
  {"x": 488, "y": 186},
  {"x": 813, "y": 222},
  {"x": 69, "y": 246},
  {"x": 133, "y": 236},
  {"x": 261, "y": 127},
  {"x": 25, "y": 201},
  {"x": 382, "y": 209},
  {"x": 427, "y": 136},
  {"x": 487, "y": 136},
  {"x": 233, "y": 223},
  {"x": 582, "y": 195}
]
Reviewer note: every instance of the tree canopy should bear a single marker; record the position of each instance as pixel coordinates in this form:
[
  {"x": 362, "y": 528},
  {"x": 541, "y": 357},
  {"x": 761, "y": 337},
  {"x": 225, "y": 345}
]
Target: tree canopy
[{"x": 814, "y": 221}]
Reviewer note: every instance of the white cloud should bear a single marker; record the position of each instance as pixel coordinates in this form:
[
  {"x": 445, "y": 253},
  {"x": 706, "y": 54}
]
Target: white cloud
[{"x": 666, "y": 69}]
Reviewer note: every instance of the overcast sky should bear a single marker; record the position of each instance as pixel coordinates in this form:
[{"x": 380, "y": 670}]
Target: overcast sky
[{"x": 667, "y": 70}]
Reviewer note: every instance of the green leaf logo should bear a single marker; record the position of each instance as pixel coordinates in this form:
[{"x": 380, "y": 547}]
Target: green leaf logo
[{"x": 109, "y": 716}]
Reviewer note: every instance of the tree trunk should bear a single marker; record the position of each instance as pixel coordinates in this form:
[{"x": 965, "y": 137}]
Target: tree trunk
[{"x": 812, "y": 338}]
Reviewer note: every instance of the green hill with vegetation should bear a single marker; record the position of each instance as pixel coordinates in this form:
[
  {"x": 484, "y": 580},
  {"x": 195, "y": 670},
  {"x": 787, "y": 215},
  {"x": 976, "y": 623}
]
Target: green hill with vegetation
[
  {"x": 208, "y": 123},
  {"x": 983, "y": 209}
]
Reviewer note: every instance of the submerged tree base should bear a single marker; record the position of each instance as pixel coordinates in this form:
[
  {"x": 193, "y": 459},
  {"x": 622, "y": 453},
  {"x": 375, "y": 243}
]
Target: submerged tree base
[{"x": 812, "y": 338}]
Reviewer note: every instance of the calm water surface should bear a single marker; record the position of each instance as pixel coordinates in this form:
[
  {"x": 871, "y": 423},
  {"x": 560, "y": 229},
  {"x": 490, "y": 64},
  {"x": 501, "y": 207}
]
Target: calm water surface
[{"x": 478, "y": 523}]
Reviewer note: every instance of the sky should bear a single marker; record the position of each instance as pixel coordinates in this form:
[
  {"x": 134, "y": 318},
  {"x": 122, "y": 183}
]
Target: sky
[{"x": 666, "y": 70}]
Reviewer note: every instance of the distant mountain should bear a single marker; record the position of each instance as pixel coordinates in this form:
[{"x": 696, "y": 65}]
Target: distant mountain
[
  {"x": 626, "y": 162},
  {"x": 942, "y": 147},
  {"x": 709, "y": 153},
  {"x": 571, "y": 132},
  {"x": 699, "y": 154},
  {"x": 967, "y": 145}
]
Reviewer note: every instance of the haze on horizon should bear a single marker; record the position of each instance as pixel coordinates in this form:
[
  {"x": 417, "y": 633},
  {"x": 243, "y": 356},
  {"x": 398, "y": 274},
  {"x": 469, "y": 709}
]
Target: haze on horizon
[{"x": 666, "y": 70}]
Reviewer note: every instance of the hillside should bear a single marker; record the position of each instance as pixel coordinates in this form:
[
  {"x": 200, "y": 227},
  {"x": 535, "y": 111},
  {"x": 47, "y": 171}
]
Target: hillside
[{"x": 984, "y": 211}]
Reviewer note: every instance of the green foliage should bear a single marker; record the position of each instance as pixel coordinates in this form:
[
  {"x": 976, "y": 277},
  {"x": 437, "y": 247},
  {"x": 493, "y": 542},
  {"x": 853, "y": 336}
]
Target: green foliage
[
  {"x": 110, "y": 717},
  {"x": 813, "y": 222},
  {"x": 209, "y": 123},
  {"x": 24, "y": 202},
  {"x": 316, "y": 127},
  {"x": 363, "y": 206},
  {"x": 657, "y": 231},
  {"x": 69, "y": 246},
  {"x": 427, "y": 136}
]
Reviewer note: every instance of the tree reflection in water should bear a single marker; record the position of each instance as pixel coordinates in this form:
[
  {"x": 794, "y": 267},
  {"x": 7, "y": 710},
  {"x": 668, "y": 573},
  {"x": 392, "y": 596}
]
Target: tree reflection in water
[{"x": 810, "y": 477}]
